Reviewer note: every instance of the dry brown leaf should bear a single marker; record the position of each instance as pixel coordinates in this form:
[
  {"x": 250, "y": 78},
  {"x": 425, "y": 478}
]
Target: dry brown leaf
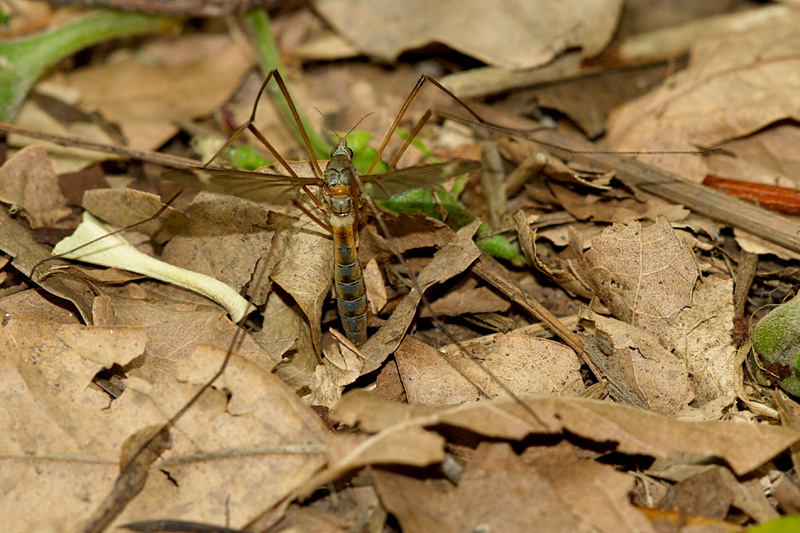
[
  {"x": 511, "y": 35},
  {"x": 376, "y": 288},
  {"x": 341, "y": 366},
  {"x": 29, "y": 184},
  {"x": 48, "y": 369},
  {"x": 407, "y": 233},
  {"x": 659, "y": 377},
  {"x": 500, "y": 492},
  {"x": 428, "y": 378},
  {"x": 264, "y": 443},
  {"x": 767, "y": 156},
  {"x": 246, "y": 446},
  {"x": 471, "y": 301},
  {"x": 701, "y": 335},
  {"x": 287, "y": 335},
  {"x": 419, "y": 505},
  {"x": 734, "y": 85},
  {"x": 644, "y": 276},
  {"x": 744, "y": 446},
  {"x": 182, "y": 79},
  {"x": 39, "y": 305},
  {"x": 17, "y": 241},
  {"x": 713, "y": 490},
  {"x": 173, "y": 331},
  {"x": 623, "y": 211},
  {"x": 527, "y": 366},
  {"x": 64, "y": 159},
  {"x": 306, "y": 272},
  {"x": 110, "y": 276},
  {"x": 225, "y": 238},
  {"x": 756, "y": 245},
  {"x": 575, "y": 479}
]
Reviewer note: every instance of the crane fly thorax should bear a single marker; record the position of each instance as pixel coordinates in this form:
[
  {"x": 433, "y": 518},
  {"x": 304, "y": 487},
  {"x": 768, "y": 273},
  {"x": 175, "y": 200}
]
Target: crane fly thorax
[{"x": 340, "y": 178}]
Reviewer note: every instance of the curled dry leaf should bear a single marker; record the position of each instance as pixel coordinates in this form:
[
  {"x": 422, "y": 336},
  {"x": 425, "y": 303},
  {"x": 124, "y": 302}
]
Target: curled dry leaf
[
  {"x": 376, "y": 287},
  {"x": 17, "y": 241},
  {"x": 36, "y": 304},
  {"x": 644, "y": 276},
  {"x": 408, "y": 233},
  {"x": 306, "y": 272},
  {"x": 512, "y": 35},
  {"x": 341, "y": 366},
  {"x": 631, "y": 431},
  {"x": 410, "y": 445}
]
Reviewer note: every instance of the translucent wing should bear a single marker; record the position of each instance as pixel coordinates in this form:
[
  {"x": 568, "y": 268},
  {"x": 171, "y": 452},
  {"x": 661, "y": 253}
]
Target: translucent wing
[
  {"x": 388, "y": 184},
  {"x": 255, "y": 186}
]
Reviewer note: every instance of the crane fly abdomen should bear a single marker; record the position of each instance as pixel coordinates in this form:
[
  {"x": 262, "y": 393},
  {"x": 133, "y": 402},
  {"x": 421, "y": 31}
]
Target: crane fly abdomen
[{"x": 351, "y": 292}]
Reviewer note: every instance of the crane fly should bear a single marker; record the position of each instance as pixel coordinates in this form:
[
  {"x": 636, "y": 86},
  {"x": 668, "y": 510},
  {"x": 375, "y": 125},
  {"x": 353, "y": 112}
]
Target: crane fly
[{"x": 340, "y": 189}]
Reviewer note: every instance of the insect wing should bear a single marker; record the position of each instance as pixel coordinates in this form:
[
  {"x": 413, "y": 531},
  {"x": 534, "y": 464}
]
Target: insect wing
[
  {"x": 255, "y": 186},
  {"x": 394, "y": 182}
]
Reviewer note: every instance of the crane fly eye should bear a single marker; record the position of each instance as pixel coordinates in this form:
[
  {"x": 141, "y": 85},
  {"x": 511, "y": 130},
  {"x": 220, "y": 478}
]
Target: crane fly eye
[
  {"x": 349, "y": 151},
  {"x": 333, "y": 152}
]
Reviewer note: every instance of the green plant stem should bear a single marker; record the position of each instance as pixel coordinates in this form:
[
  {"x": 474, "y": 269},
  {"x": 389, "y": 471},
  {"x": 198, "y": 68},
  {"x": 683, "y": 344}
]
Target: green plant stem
[
  {"x": 24, "y": 61},
  {"x": 269, "y": 59}
]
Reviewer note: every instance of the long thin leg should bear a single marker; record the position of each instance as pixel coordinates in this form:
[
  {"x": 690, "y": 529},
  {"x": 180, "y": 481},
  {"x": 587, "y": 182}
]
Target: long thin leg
[
  {"x": 477, "y": 120},
  {"x": 273, "y": 74},
  {"x": 249, "y": 125}
]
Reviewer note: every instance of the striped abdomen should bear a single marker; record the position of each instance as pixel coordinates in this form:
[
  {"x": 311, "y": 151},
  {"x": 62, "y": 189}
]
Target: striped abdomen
[{"x": 351, "y": 293}]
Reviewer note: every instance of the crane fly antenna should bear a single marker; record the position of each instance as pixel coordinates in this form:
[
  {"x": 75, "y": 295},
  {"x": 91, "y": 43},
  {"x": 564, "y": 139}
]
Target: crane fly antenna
[
  {"x": 328, "y": 123},
  {"x": 357, "y": 123}
]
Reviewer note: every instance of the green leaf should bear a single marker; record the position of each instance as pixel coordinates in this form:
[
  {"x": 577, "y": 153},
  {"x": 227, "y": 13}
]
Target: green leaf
[
  {"x": 363, "y": 154},
  {"x": 784, "y": 524},
  {"x": 500, "y": 247},
  {"x": 246, "y": 157}
]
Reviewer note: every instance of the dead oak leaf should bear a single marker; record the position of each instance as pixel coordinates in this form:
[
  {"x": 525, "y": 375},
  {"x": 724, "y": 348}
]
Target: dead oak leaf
[{"x": 645, "y": 276}]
